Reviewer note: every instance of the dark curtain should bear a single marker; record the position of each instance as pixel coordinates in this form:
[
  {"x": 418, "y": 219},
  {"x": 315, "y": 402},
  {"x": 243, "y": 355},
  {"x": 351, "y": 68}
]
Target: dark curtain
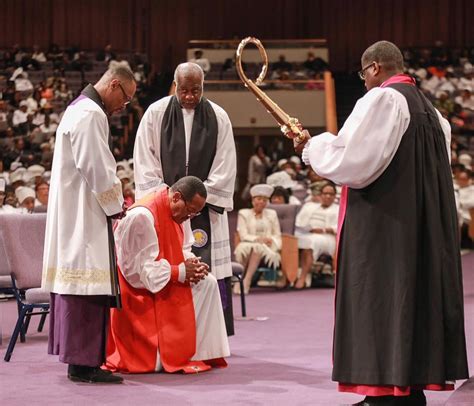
[{"x": 162, "y": 28}]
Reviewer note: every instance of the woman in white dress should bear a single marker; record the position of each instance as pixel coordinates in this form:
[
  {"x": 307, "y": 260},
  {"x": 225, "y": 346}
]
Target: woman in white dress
[
  {"x": 316, "y": 228},
  {"x": 260, "y": 235}
]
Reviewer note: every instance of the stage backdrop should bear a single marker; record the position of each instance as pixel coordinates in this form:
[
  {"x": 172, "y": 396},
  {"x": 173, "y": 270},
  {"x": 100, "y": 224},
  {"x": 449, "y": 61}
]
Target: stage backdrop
[{"x": 162, "y": 28}]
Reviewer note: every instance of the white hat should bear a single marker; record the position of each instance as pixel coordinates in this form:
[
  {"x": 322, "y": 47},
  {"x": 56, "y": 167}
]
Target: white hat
[
  {"x": 296, "y": 160},
  {"x": 3, "y": 184},
  {"x": 17, "y": 175},
  {"x": 36, "y": 170},
  {"x": 282, "y": 179},
  {"x": 261, "y": 190},
  {"x": 282, "y": 162},
  {"x": 23, "y": 192},
  {"x": 122, "y": 174},
  {"x": 465, "y": 159},
  {"x": 421, "y": 73},
  {"x": 15, "y": 165},
  {"x": 124, "y": 164},
  {"x": 23, "y": 103},
  {"x": 47, "y": 175},
  {"x": 28, "y": 178}
]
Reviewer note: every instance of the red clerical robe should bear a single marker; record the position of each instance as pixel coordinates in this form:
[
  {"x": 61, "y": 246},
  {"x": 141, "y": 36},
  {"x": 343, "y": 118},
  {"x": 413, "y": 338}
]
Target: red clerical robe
[{"x": 151, "y": 322}]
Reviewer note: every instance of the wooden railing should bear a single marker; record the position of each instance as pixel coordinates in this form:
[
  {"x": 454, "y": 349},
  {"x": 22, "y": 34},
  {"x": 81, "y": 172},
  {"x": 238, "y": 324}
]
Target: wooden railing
[{"x": 271, "y": 42}]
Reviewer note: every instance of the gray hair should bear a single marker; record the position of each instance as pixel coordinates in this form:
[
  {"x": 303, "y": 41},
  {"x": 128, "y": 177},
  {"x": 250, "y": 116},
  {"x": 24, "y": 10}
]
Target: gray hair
[
  {"x": 188, "y": 69},
  {"x": 386, "y": 54},
  {"x": 189, "y": 186},
  {"x": 119, "y": 71}
]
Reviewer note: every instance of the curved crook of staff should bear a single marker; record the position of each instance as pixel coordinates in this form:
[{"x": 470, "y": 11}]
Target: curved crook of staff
[{"x": 289, "y": 125}]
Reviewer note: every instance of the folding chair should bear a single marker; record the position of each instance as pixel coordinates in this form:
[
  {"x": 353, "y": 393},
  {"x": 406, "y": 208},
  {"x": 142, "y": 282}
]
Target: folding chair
[{"x": 23, "y": 239}]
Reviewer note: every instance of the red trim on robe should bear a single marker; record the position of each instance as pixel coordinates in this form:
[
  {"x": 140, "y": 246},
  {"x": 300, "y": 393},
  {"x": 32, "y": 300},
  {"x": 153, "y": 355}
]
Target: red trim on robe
[
  {"x": 400, "y": 78},
  {"x": 164, "y": 320},
  {"x": 388, "y": 390},
  {"x": 378, "y": 390}
]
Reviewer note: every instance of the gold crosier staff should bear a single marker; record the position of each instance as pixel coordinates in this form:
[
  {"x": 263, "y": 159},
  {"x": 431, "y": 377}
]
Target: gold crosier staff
[{"x": 288, "y": 125}]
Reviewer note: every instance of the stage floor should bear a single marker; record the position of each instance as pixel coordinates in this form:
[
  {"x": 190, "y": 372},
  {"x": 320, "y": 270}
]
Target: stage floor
[{"x": 281, "y": 357}]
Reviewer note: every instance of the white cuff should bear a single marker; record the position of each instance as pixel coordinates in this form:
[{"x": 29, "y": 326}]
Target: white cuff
[
  {"x": 182, "y": 272},
  {"x": 305, "y": 153}
]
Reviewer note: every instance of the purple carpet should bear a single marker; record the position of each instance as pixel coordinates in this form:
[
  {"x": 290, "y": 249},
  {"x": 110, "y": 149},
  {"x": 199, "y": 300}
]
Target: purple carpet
[{"x": 284, "y": 360}]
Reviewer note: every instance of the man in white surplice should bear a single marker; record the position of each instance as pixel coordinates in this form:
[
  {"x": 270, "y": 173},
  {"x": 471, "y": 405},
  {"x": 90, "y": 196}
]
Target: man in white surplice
[
  {"x": 154, "y": 145},
  {"x": 84, "y": 190}
]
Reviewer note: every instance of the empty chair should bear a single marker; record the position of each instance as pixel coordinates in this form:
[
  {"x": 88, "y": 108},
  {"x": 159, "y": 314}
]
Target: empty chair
[{"x": 23, "y": 239}]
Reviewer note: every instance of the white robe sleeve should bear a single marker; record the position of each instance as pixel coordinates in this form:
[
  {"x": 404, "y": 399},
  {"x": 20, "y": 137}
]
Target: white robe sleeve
[
  {"x": 146, "y": 154},
  {"x": 446, "y": 127},
  {"x": 95, "y": 161},
  {"x": 221, "y": 179},
  {"x": 188, "y": 240},
  {"x": 367, "y": 142},
  {"x": 137, "y": 250}
]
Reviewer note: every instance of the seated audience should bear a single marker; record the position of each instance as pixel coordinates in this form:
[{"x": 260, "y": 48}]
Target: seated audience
[
  {"x": 282, "y": 64},
  {"x": 42, "y": 193},
  {"x": 280, "y": 196},
  {"x": 283, "y": 179},
  {"x": 259, "y": 165},
  {"x": 315, "y": 65},
  {"x": 26, "y": 198},
  {"x": 5, "y": 208},
  {"x": 201, "y": 61},
  {"x": 466, "y": 203},
  {"x": 260, "y": 236},
  {"x": 316, "y": 228}
]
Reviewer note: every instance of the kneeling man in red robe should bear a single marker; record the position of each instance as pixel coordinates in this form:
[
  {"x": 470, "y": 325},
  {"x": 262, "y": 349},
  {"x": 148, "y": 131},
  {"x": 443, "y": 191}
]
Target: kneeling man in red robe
[{"x": 171, "y": 318}]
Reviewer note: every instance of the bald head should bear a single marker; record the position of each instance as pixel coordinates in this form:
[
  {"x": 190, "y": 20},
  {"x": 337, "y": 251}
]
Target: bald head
[{"x": 386, "y": 54}]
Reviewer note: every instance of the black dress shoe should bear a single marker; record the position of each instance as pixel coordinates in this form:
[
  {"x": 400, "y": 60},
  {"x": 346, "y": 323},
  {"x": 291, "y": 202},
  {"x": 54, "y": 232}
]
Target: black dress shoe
[
  {"x": 378, "y": 401},
  {"x": 416, "y": 398},
  {"x": 80, "y": 373}
]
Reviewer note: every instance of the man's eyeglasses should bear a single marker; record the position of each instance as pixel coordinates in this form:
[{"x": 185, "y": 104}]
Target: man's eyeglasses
[
  {"x": 127, "y": 97},
  {"x": 191, "y": 213},
  {"x": 362, "y": 71}
]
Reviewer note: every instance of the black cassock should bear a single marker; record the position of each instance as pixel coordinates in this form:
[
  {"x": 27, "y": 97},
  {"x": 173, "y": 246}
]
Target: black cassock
[{"x": 399, "y": 299}]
